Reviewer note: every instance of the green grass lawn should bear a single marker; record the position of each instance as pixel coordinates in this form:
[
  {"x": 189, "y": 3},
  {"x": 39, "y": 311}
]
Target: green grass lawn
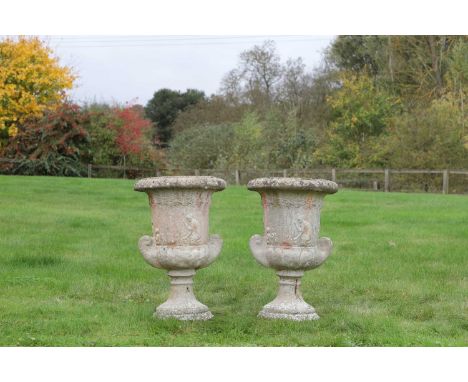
[{"x": 71, "y": 273}]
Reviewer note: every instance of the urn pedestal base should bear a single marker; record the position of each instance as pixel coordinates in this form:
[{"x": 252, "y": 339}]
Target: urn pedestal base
[
  {"x": 289, "y": 304},
  {"x": 182, "y": 303}
]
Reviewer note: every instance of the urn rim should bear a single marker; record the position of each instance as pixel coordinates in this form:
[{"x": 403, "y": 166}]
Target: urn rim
[
  {"x": 184, "y": 182},
  {"x": 293, "y": 184}
]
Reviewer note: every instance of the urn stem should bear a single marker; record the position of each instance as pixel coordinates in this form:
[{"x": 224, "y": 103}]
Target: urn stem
[
  {"x": 290, "y": 284},
  {"x": 289, "y": 303},
  {"x": 182, "y": 303},
  {"x": 181, "y": 284}
]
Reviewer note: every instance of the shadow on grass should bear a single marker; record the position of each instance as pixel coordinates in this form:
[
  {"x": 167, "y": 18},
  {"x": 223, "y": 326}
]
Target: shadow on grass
[{"x": 36, "y": 261}]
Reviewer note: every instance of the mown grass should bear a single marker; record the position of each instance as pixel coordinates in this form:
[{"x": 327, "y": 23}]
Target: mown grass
[{"x": 71, "y": 274}]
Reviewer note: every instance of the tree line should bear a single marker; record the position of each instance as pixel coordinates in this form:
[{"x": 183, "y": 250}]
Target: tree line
[{"x": 375, "y": 101}]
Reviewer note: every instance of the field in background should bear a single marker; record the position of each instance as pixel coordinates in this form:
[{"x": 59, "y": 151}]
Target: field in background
[{"x": 71, "y": 274}]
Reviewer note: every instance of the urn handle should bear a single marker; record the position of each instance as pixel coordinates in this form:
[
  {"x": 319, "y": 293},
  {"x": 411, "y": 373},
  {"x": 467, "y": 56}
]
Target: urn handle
[
  {"x": 149, "y": 251},
  {"x": 317, "y": 256},
  {"x": 258, "y": 246},
  {"x": 214, "y": 248},
  {"x": 325, "y": 247}
]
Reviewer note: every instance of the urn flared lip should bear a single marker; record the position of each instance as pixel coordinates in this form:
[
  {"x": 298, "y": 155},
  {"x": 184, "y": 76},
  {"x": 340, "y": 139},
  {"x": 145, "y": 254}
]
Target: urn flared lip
[
  {"x": 293, "y": 184},
  {"x": 185, "y": 182}
]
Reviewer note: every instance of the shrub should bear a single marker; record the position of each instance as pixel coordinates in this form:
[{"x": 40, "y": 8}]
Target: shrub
[{"x": 55, "y": 144}]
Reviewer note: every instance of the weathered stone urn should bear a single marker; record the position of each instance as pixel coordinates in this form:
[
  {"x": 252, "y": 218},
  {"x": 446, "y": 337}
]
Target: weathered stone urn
[
  {"x": 291, "y": 243},
  {"x": 180, "y": 242}
]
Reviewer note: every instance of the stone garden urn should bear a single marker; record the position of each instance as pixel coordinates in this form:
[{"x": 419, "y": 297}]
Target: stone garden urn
[
  {"x": 291, "y": 243},
  {"x": 180, "y": 242}
]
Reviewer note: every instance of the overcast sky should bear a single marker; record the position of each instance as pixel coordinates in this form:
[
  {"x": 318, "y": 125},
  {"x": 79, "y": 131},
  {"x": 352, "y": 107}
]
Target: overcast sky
[{"x": 129, "y": 68}]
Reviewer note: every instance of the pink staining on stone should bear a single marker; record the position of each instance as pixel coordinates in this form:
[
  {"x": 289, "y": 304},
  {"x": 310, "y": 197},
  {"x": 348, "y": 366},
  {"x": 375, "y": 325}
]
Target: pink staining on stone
[
  {"x": 264, "y": 200},
  {"x": 309, "y": 201}
]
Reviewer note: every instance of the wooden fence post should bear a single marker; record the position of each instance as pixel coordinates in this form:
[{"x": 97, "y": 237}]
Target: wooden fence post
[
  {"x": 285, "y": 173},
  {"x": 158, "y": 173},
  {"x": 197, "y": 172},
  {"x": 445, "y": 182},
  {"x": 334, "y": 174},
  {"x": 90, "y": 170},
  {"x": 375, "y": 185},
  {"x": 387, "y": 180},
  {"x": 237, "y": 173}
]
